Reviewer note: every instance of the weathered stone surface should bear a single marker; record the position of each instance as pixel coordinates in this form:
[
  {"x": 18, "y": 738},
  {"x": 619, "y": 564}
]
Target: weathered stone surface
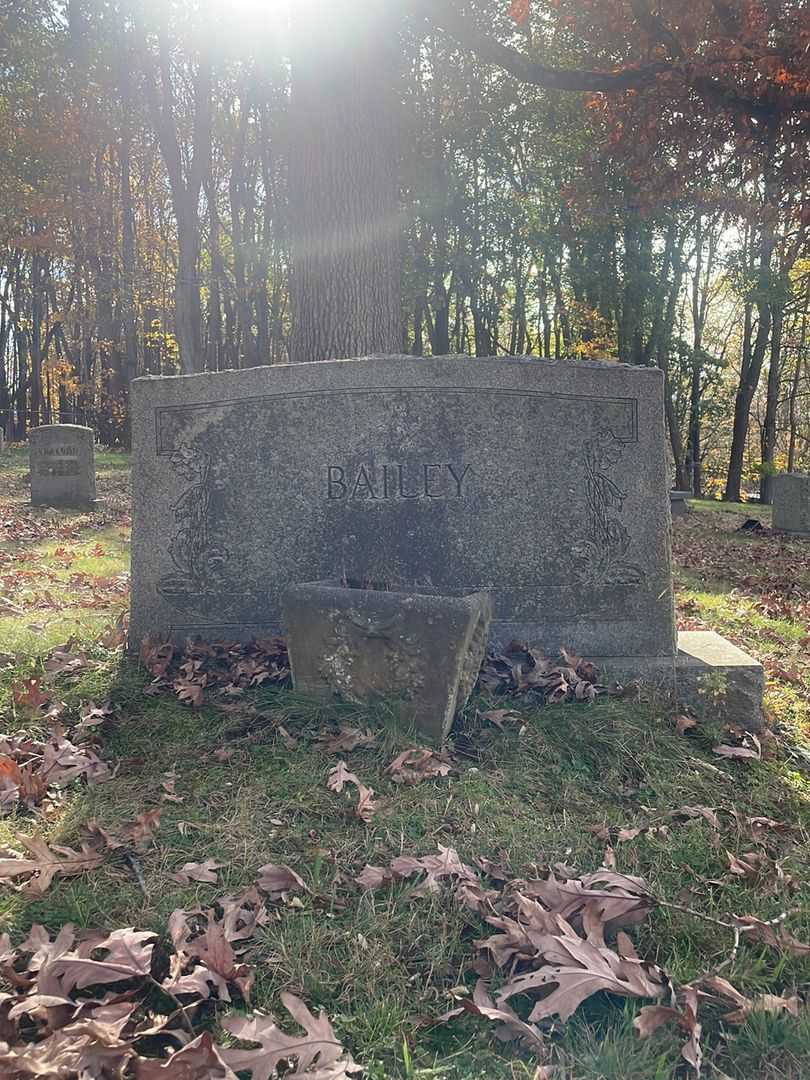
[
  {"x": 63, "y": 471},
  {"x": 718, "y": 680},
  {"x": 543, "y": 483},
  {"x": 791, "y": 502},
  {"x": 678, "y": 505},
  {"x": 422, "y": 650}
]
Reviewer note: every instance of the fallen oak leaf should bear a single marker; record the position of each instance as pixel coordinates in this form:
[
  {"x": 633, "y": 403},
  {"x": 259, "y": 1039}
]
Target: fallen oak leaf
[
  {"x": 27, "y": 694},
  {"x": 194, "y": 871},
  {"x": 751, "y": 865},
  {"x": 374, "y": 877},
  {"x": 577, "y": 968},
  {"x": 418, "y": 763},
  {"x": 198, "y": 1060},
  {"x": 92, "y": 715},
  {"x": 499, "y": 718},
  {"x": 366, "y": 807},
  {"x": 319, "y": 1045},
  {"x": 190, "y": 693},
  {"x": 765, "y": 1003},
  {"x": 684, "y": 724},
  {"x": 512, "y": 1026},
  {"x": 48, "y": 862},
  {"x": 623, "y": 900},
  {"x": 435, "y": 867},
  {"x": 278, "y": 880},
  {"x": 651, "y": 1017},
  {"x": 339, "y": 776},
  {"x": 129, "y": 956},
  {"x": 136, "y": 834},
  {"x": 347, "y": 739},
  {"x": 740, "y": 752},
  {"x": 10, "y": 770},
  {"x": 753, "y": 929},
  {"x": 690, "y": 812}
]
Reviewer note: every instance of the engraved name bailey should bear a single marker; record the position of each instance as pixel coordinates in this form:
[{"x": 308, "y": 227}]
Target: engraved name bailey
[{"x": 394, "y": 481}]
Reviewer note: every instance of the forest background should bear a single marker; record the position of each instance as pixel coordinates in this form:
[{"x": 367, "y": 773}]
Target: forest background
[{"x": 145, "y": 224}]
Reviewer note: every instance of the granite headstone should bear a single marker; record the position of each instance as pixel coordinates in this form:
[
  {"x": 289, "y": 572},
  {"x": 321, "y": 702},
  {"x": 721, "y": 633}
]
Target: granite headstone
[
  {"x": 541, "y": 482},
  {"x": 791, "y": 502},
  {"x": 62, "y": 462}
]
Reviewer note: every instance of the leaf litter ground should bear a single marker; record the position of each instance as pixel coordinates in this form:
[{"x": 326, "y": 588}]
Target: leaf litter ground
[{"x": 433, "y": 904}]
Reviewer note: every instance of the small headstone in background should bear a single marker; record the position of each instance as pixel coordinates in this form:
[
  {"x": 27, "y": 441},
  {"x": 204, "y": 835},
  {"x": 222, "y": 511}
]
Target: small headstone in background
[
  {"x": 63, "y": 471},
  {"x": 791, "y": 502},
  {"x": 678, "y": 505}
]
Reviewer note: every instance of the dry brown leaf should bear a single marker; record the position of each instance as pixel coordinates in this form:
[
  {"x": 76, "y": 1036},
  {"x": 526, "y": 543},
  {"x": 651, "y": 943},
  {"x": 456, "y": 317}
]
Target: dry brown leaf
[
  {"x": 319, "y": 1047},
  {"x": 628, "y": 834},
  {"x": 511, "y": 1026},
  {"x": 418, "y": 763},
  {"x": 745, "y": 1006},
  {"x": 577, "y": 968},
  {"x": 623, "y": 900},
  {"x": 374, "y": 877},
  {"x": 92, "y": 715},
  {"x": 47, "y": 863},
  {"x": 684, "y": 724},
  {"x": 691, "y": 812},
  {"x": 278, "y": 880},
  {"x": 752, "y": 753},
  {"x": 135, "y": 834},
  {"x": 601, "y": 832},
  {"x": 290, "y": 742},
  {"x": 194, "y": 871},
  {"x": 348, "y": 738},
  {"x": 339, "y": 776},
  {"x": 765, "y": 1003},
  {"x": 365, "y": 808},
  {"x": 446, "y": 864},
  {"x": 129, "y": 954},
  {"x": 27, "y": 694},
  {"x": 10, "y": 770},
  {"x": 651, "y": 1017},
  {"x": 753, "y": 929},
  {"x": 501, "y": 717},
  {"x": 190, "y": 693},
  {"x": 199, "y": 1060}
]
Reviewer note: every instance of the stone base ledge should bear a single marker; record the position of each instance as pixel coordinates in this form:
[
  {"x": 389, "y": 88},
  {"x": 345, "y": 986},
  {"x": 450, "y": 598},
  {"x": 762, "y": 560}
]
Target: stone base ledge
[{"x": 709, "y": 675}]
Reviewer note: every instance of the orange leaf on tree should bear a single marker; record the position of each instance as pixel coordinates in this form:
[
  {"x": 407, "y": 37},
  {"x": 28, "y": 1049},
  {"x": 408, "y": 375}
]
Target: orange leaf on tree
[{"x": 519, "y": 11}]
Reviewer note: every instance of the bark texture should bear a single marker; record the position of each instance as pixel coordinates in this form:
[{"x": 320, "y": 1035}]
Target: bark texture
[{"x": 344, "y": 194}]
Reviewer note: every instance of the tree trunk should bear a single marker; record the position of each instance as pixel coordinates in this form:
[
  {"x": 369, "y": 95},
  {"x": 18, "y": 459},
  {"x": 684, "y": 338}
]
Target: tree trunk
[
  {"x": 344, "y": 197},
  {"x": 749, "y": 380},
  {"x": 769, "y": 431},
  {"x": 794, "y": 393}
]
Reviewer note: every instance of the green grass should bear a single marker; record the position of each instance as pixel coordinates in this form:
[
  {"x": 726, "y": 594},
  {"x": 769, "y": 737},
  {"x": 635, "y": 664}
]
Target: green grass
[
  {"x": 383, "y": 965},
  {"x": 379, "y": 963},
  {"x": 750, "y": 509}
]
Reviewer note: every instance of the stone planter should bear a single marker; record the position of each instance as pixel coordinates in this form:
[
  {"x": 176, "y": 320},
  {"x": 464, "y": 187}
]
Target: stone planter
[{"x": 422, "y": 649}]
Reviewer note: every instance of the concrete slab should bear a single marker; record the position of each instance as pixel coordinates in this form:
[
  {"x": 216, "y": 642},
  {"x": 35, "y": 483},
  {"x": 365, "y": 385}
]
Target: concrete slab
[{"x": 718, "y": 680}]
